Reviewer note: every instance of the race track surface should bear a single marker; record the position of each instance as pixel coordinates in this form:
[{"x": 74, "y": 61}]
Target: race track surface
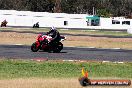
[{"x": 68, "y": 53}]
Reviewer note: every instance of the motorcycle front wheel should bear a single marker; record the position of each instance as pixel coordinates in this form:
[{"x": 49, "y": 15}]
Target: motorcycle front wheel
[{"x": 34, "y": 47}]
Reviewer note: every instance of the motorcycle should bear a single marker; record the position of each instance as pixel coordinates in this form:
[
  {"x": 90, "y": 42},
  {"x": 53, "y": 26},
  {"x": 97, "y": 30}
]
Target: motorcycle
[
  {"x": 36, "y": 25},
  {"x": 43, "y": 43},
  {"x": 4, "y": 23}
]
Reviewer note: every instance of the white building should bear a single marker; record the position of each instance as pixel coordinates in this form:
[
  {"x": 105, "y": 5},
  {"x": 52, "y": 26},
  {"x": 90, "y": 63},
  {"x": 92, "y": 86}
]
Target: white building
[{"x": 62, "y": 20}]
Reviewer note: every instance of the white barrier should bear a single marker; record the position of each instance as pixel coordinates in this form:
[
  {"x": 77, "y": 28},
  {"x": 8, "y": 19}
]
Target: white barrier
[
  {"x": 45, "y": 19},
  {"x": 129, "y": 30}
]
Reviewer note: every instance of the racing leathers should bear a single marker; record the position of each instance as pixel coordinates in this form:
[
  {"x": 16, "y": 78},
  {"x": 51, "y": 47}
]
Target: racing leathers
[{"x": 55, "y": 35}]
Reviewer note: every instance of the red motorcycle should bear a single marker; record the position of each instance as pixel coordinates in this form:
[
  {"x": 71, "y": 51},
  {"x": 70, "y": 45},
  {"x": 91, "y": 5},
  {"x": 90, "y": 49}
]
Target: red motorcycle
[{"x": 43, "y": 43}]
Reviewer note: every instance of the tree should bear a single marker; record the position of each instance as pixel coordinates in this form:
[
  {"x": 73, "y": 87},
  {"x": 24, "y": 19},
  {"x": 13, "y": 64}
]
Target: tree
[{"x": 102, "y": 7}]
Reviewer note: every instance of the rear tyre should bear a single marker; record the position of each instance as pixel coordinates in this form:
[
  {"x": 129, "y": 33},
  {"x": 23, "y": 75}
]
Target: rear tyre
[
  {"x": 58, "y": 48},
  {"x": 34, "y": 47}
]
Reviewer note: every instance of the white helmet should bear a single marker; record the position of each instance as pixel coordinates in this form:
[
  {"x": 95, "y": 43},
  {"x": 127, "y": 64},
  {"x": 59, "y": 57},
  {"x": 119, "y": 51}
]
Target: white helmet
[{"x": 53, "y": 28}]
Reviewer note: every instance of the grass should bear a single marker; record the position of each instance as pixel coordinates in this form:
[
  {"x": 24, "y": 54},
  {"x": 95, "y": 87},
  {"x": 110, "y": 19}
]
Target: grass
[
  {"x": 53, "y": 69},
  {"x": 57, "y": 74}
]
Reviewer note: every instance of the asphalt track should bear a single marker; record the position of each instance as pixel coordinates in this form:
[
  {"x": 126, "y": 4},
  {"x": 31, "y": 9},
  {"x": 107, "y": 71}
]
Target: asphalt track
[{"x": 68, "y": 53}]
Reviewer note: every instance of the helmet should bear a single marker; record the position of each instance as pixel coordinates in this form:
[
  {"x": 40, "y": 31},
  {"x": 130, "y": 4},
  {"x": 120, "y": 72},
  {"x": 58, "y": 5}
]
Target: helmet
[{"x": 52, "y": 28}]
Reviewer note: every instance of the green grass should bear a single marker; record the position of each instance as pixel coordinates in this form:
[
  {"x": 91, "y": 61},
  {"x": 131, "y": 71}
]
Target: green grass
[{"x": 49, "y": 69}]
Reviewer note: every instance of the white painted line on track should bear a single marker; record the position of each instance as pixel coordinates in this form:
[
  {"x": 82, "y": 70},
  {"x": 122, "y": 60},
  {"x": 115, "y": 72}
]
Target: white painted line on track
[
  {"x": 119, "y": 62},
  {"x": 74, "y": 60},
  {"x": 100, "y": 48},
  {"x": 105, "y": 61},
  {"x": 91, "y": 47},
  {"x": 94, "y": 61},
  {"x": 18, "y": 44},
  {"x": 70, "y": 60},
  {"x": 116, "y": 48}
]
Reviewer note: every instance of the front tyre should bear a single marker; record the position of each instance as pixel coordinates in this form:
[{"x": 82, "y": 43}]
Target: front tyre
[
  {"x": 58, "y": 48},
  {"x": 34, "y": 47}
]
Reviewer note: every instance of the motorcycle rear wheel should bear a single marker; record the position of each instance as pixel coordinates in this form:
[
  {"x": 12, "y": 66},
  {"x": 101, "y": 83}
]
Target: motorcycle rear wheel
[
  {"x": 58, "y": 48},
  {"x": 34, "y": 47}
]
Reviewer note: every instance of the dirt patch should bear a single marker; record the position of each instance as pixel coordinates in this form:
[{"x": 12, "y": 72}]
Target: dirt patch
[
  {"x": 17, "y": 38},
  {"x": 47, "y": 83},
  {"x": 40, "y": 83}
]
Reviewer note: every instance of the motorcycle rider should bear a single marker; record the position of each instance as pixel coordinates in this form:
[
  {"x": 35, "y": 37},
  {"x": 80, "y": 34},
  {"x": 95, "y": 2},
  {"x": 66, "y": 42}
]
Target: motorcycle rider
[
  {"x": 48, "y": 42},
  {"x": 54, "y": 34},
  {"x": 36, "y": 25}
]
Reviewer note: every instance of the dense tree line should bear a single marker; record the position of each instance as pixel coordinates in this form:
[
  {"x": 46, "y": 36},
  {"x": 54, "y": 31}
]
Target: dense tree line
[{"x": 99, "y": 7}]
